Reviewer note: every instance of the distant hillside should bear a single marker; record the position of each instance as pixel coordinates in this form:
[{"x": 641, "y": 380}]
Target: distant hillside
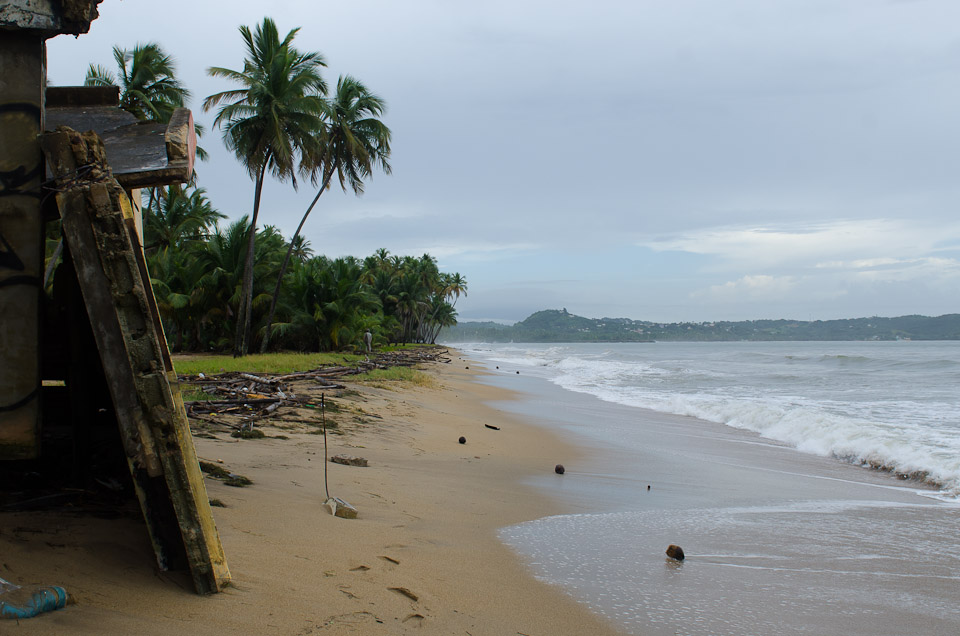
[{"x": 554, "y": 325}]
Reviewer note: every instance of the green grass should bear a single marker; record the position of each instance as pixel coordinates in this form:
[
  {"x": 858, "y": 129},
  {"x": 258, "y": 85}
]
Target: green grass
[
  {"x": 192, "y": 364},
  {"x": 198, "y": 395},
  {"x": 408, "y": 347},
  {"x": 396, "y": 374}
]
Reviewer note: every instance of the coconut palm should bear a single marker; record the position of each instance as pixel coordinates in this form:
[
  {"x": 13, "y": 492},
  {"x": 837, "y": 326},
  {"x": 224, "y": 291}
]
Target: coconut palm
[
  {"x": 453, "y": 286},
  {"x": 439, "y": 315},
  {"x": 356, "y": 142},
  {"x": 328, "y": 305},
  {"x": 178, "y": 217},
  {"x": 271, "y": 122},
  {"x": 149, "y": 88}
]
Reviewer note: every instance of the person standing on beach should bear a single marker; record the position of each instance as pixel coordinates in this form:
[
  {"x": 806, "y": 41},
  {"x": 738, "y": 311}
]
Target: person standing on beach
[{"x": 368, "y": 341}]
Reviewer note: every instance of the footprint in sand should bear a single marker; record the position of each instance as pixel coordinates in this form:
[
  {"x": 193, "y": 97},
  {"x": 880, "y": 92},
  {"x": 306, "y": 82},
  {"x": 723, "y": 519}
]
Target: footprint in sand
[
  {"x": 355, "y": 619},
  {"x": 415, "y": 619}
]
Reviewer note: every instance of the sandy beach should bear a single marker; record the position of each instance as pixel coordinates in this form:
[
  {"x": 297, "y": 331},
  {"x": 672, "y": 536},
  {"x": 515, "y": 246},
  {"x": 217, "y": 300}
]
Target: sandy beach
[{"x": 423, "y": 556}]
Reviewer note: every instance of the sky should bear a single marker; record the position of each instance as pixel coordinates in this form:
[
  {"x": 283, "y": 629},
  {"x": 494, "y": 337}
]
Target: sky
[{"x": 664, "y": 160}]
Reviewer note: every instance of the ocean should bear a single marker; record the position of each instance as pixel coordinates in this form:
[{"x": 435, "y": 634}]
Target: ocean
[{"x": 813, "y": 485}]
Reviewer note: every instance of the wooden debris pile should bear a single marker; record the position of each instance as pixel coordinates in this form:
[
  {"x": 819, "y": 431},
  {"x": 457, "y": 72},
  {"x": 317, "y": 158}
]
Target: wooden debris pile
[
  {"x": 410, "y": 357},
  {"x": 248, "y": 397}
]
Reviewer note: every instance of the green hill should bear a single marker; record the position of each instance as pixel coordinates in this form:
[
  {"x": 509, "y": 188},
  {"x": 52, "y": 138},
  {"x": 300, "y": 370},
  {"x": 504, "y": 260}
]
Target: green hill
[{"x": 554, "y": 325}]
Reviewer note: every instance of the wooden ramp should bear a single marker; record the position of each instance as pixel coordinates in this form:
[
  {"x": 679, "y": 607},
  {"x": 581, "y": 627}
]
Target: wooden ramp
[{"x": 98, "y": 228}]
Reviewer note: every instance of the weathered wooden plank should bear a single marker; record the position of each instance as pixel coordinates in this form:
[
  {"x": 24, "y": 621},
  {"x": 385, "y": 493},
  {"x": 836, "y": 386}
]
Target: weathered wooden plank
[
  {"x": 140, "y": 153},
  {"x": 98, "y": 227}
]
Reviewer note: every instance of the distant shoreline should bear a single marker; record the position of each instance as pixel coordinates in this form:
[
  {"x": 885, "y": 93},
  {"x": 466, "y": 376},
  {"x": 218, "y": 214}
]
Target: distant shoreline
[{"x": 559, "y": 326}]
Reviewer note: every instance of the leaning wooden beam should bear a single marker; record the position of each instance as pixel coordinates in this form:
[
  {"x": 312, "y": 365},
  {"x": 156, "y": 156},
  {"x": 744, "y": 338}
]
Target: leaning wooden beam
[{"x": 97, "y": 227}]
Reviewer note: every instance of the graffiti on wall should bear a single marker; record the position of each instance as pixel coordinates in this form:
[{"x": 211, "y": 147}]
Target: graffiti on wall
[
  {"x": 20, "y": 235},
  {"x": 21, "y": 180}
]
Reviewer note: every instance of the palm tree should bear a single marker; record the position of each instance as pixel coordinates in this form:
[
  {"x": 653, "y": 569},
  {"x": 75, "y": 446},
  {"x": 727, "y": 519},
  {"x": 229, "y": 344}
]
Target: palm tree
[
  {"x": 301, "y": 248},
  {"x": 149, "y": 89},
  {"x": 222, "y": 257},
  {"x": 454, "y": 285},
  {"x": 178, "y": 217},
  {"x": 356, "y": 142},
  {"x": 440, "y": 314},
  {"x": 270, "y": 122},
  {"x": 328, "y": 304}
]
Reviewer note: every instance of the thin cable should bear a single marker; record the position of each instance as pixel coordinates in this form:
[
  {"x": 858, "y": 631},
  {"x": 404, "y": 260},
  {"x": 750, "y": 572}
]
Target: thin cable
[{"x": 323, "y": 419}]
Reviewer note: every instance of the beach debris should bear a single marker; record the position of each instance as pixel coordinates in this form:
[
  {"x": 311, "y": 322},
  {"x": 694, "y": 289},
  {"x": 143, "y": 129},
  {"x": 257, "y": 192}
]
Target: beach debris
[
  {"x": 559, "y": 469},
  {"x": 253, "y": 397},
  {"x": 18, "y": 603},
  {"x": 248, "y": 432},
  {"x": 237, "y": 481},
  {"x": 675, "y": 552},
  {"x": 404, "y": 591},
  {"x": 491, "y": 426},
  {"x": 390, "y": 559},
  {"x": 359, "y": 568},
  {"x": 340, "y": 508},
  {"x": 219, "y": 472},
  {"x": 349, "y": 460},
  {"x": 462, "y": 440}
]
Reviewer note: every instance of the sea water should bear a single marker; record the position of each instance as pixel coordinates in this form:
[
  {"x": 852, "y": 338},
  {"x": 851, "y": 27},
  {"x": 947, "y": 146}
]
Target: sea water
[{"x": 763, "y": 459}]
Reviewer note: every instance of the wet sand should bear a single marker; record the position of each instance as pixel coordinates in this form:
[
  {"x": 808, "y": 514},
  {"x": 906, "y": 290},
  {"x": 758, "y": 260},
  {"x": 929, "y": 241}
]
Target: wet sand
[
  {"x": 423, "y": 557},
  {"x": 777, "y": 541}
]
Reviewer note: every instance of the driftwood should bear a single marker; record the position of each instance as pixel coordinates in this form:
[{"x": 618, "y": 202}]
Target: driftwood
[{"x": 257, "y": 396}]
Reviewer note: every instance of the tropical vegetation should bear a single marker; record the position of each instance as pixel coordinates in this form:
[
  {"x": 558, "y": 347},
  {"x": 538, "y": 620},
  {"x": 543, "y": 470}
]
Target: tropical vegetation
[
  {"x": 235, "y": 286},
  {"x": 355, "y": 141},
  {"x": 273, "y": 124},
  {"x": 197, "y": 270},
  {"x": 146, "y": 77}
]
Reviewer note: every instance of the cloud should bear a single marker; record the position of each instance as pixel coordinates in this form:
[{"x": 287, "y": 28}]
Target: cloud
[
  {"x": 479, "y": 251},
  {"x": 757, "y": 287},
  {"x": 853, "y": 244}
]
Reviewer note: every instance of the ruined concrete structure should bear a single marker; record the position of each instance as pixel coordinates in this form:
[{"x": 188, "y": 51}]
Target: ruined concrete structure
[{"x": 109, "y": 326}]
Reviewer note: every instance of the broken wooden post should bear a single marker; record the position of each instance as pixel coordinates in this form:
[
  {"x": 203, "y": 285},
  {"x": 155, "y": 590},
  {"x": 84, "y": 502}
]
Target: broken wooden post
[{"x": 99, "y": 229}]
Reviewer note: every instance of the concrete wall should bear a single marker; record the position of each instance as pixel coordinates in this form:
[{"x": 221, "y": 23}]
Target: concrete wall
[{"x": 22, "y": 60}]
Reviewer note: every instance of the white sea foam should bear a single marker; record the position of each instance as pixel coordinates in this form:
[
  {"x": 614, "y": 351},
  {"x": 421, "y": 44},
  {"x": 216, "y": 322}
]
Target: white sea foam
[
  {"x": 754, "y": 569},
  {"x": 889, "y": 405}
]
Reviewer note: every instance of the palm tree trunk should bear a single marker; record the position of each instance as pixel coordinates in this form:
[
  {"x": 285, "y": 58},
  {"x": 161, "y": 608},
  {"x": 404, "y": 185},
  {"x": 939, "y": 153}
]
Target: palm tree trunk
[
  {"x": 241, "y": 342},
  {"x": 286, "y": 261}
]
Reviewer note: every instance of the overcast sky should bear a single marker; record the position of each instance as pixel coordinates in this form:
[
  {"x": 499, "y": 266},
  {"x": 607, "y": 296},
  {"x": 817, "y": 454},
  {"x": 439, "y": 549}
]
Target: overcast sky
[{"x": 663, "y": 160}]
